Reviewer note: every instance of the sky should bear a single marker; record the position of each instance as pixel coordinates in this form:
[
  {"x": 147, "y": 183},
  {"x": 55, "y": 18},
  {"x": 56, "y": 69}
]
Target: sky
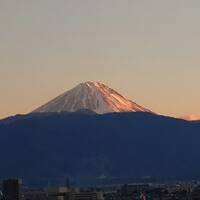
[{"x": 147, "y": 50}]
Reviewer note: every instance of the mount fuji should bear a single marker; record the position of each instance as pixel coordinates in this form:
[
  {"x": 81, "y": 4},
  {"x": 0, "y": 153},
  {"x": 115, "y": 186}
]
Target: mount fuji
[
  {"x": 126, "y": 145},
  {"x": 93, "y": 96}
]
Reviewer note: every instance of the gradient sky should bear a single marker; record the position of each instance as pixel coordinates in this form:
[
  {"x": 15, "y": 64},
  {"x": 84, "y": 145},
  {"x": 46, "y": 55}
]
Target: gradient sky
[{"x": 149, "y": 50}]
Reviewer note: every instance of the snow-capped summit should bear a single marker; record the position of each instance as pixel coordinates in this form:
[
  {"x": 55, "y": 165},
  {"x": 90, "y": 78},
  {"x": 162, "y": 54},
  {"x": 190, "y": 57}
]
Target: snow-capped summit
[{"x": 94, "y": 96}]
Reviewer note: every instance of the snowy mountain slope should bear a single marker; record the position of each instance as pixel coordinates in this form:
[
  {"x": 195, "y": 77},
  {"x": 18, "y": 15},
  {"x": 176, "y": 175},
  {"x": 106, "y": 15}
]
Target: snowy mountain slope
[{"x": 94, "y": 96}]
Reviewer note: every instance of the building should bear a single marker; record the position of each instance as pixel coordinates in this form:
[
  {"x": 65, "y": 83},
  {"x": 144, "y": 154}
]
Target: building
[
  {"x": 12, "y": 189},
  {"x": 35, "y": 195},
  {"x": 50, "y": 193},
  {"x": 195, "y": 194},
  {"x": 85, "y": 196}
]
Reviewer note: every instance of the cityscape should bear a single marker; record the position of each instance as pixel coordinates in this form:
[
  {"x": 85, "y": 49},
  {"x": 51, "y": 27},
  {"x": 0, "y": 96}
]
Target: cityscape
[{"x": 13, "y": 189}]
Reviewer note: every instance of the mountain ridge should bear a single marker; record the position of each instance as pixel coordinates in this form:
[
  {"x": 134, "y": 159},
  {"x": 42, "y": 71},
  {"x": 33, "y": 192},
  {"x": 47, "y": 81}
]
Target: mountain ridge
[{"x": 51, "y": 146}]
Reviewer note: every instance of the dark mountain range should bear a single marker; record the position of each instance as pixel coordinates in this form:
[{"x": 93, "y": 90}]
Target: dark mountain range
[{"x": 94, "y": 149}]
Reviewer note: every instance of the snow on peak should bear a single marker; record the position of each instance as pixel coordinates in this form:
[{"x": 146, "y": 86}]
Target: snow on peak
[{"x": 94, "y": 96}]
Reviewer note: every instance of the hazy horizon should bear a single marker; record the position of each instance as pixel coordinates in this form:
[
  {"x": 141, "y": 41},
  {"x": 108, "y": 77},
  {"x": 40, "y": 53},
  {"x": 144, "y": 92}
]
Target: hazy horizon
[{"x": 146, "y": 50}]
